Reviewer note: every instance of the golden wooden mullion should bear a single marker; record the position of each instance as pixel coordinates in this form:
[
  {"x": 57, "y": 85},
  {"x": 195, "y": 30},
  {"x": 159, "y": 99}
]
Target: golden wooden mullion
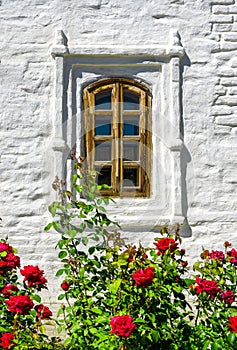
[
  {"x": 121, "y": 135},
  {"x": 115, "y": 134},
  {"x": 143, "y": 140},
  {"x": 89, "y": 127}
]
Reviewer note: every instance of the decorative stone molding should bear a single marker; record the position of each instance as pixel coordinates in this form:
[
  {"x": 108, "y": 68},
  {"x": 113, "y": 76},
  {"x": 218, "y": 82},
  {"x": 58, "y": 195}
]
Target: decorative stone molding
[{"x": 159, "y": 67}]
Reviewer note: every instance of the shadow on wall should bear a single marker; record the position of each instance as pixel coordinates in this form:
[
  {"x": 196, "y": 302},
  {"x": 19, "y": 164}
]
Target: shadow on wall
[{"x": 185, "y": 230}]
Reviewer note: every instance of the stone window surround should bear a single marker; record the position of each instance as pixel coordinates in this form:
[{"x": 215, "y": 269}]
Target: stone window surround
[{"x": 159, "y": 67}]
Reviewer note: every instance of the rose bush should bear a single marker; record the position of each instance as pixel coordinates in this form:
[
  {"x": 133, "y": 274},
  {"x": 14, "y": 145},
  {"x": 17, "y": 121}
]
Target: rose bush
[
  {"x": 21, "y": 314},
  {"x": 125, "y": 297}
]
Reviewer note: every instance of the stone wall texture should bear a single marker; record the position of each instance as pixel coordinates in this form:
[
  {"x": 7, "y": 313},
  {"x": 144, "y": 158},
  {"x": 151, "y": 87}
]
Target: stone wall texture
[{"x": 208, "y": 33}]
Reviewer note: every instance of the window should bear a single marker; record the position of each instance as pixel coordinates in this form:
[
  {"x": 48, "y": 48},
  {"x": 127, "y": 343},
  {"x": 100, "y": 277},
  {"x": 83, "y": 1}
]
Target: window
[{"x": 117, "y": 136}]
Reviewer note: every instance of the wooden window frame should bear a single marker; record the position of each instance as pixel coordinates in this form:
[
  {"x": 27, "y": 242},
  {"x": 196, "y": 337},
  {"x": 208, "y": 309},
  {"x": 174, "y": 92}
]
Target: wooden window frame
[{"x": 117, "y": 138}]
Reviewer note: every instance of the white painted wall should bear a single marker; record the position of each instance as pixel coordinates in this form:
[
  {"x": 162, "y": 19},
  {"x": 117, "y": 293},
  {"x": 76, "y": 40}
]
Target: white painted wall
[{"x": 208, "y": 32}]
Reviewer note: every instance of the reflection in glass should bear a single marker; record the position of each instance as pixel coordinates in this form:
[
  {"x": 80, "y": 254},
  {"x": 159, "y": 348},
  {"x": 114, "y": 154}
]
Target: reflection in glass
[
  {"x": 102, "y": 151},
  {"x": 131, "y": 150},
  {"x": 102, "y": 125},
  {"x": 104, "y": 176},
  {"x": 103, "y": 100},
  {"x": 131, "y": 100},
  {"x": 130, "y": 177},
  {"x": 131, "y": 125}
]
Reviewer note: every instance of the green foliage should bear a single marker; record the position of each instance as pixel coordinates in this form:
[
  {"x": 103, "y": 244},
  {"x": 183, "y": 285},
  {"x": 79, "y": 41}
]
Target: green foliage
[{"x": 100, "y": 285}]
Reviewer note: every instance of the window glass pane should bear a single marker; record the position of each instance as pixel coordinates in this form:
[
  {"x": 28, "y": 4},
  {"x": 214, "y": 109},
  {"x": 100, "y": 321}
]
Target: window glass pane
[
  {"x": 103, "y": 151},
  {"x": 104, "y": 176},
  {"x": 131, "y": 125},
  {"x": 102, "y": 125},
  {"x": 131, "y": 100},
  {"x": 130, "y": 177},
  {"x": 131, "y": 150},
  {"x": 103, "y": 100}
]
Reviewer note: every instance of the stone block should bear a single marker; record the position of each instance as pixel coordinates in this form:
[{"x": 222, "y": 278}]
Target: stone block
[
  {"x": 228, "y": 46},
  {"x": 230, "y": 36},
  {"x": 220, "y": 9},
  {"x": 221, "y": 19},
  {"x": 222, "y": 27},
  {"x": 226, "y": 120},
  {"x": 227, "y": 100},
  {"x": 229, "y": 81},
  {"x": 221, "y": 110},
  {"x": 232, "y": 91},
  {"x": 226, "y": 72},
  {"x": 222, "y": 2}
]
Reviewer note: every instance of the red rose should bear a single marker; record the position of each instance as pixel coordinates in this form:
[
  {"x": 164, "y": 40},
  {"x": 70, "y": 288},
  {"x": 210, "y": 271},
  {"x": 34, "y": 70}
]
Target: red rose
[
  {"x": 43, "y": 311},
  {"x": 4, "y": 267},
  {"x": 184, "y": 263},
  {"x": 12, "y": 260},
  {"x": 228, "y": 296},
  {"x": 9, "y": 261},
  {"x": 211, "y": 287},
  {"x": 65, "y": 286},
  {"x": 144, "y": 277},
  {"x": 4, "y": 247},
  {"x": 9, "y": 289},
  {"x": 233, "y": 323},
  {"x": 20, "y": 303},
  {"x": 216, "y": 254},
  {"x": 122, "y": 326},
  {"x": 227, "y": 244},
  {"x": 182, "y": 251},
  {"x": 6, "y": 340},
  {"x": 233, "y": 256},
  {"x": 34, "y": 276},
  {"x": 165, "y": 244}
]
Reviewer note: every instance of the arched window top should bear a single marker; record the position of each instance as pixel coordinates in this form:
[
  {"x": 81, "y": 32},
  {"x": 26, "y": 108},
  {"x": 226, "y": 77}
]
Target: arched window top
[{"x": 107, "y": 81}]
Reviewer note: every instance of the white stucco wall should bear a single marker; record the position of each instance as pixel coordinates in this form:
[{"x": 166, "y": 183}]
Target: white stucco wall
[{"x": 208, "y": 91}]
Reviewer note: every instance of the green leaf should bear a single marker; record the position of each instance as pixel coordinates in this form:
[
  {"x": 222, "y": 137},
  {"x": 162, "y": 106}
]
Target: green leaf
[
  {"x": 53, "y": 208},
  {"x": 123, "y": 259},
  {"x": 96, "y": 311},
  {"x": 3, "y": 329},
  {"x": 48, "y": 227},
  {"x": 85, "y": 240},
  {"x": 113, "y": 287},
  {"x": 72, "y": 233},
  {"x": 74, "y": 178},
  {"x": 78, "y": 188},
  {"x": 93, "y": 330},
  {"x": 91, "y": 250},
  {"x": 214, "y": 346},
  {"x": 36, "y": 297},
  {"x": 155, "y": 335},
  {"x": 42, "y": 329},
  {"x": 61, "y": 297},
  {"x": 62, "y": 254},
  {"x": 231, "y": 338},
  {"x": 60, "y": 272}
]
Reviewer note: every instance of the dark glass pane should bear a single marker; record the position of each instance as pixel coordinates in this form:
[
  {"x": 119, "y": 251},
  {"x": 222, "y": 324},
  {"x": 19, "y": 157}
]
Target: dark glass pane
[
  {"x": 103, "y": 151},
  {"x": 104, "y": 176},
  {"x": 131, "y": 100},
  {"x": 102, "y": 125},
  {"x": 103, "y": 100},
  {"x": 131, "y": 150},
  {"x": 130, "y": 125},
  {"x": 130, "y": 177}
]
